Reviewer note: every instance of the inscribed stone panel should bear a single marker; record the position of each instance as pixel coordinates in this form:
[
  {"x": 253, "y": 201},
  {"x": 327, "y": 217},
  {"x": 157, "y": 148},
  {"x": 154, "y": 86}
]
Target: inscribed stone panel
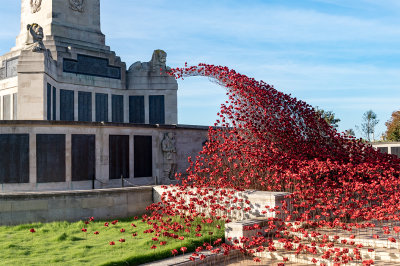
[
  {"x": 101, "y": 107},
  {"x": 143, "y": 154},
  {"x": 2, "y": 72},
  {"x": 11, "y": 67},
  {"x": 156, "y": 109},
  {"x": 15, "y": 105},
  {"x": 7, "y": 107},
  {"x": 119, "y": 156},
  {"x": 66, "y": 105},
  {"x": 84, "y": 106},
  {"x": 117, "y": 108},
  {"x": 83, "y": 157},
  {"x": 8, "y": 68},
  {"x": 136, "y": 109},
  {"x": 50, "y": 158},
  {"x": 14, "y": 160}
]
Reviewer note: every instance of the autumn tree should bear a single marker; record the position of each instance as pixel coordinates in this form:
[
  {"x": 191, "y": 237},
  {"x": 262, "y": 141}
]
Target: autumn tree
[{"x": 393, "y": 127}]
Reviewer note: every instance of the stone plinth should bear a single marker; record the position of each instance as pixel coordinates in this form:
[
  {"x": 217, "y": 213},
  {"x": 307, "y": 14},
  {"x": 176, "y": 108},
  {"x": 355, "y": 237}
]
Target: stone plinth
[{"x": 258, "y": 200}]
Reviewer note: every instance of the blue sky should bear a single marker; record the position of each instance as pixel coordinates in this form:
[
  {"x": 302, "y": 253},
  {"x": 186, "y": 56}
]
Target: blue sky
[{"x": 343, "y": 56}]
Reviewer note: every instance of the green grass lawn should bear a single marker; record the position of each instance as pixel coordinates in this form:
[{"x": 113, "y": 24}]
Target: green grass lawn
[{"x": 64, "y": 243}]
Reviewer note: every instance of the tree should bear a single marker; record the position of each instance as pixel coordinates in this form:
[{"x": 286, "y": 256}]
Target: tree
[
  {"x": 329, "y": 116},
  {"x": 393, "y": 127},
  {"x": 350, "y": 132},
  {"x": 368, "y": 126}
]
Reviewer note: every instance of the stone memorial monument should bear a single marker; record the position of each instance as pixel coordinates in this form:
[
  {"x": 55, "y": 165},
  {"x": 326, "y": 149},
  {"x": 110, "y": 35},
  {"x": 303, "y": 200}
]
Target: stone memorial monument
[
  {"x": 72, "y": 116},
  {"x": 61, "y": 69}
]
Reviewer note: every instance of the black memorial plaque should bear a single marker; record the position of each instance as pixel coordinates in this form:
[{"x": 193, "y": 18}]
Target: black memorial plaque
[
  {"x": 54, "y": 103},
  {"x": 136, "y": 109},
  {"x": 50, "y": 158},
  {"x": 91, "y": 66},
  {"x": 117, "y": 108},
  {"x": 84, "y": 106},
  {"x": 383, "y": 149},
  {"x": 14, "y": 158},
  {"x": 143, "y": 154},
  {"x": 156, "y": 109},
  {"x": 395, "y": 151},
  {"x": 101, "y": 107},
  {"x": 119, "y": 156},
  {"x": 48, "y": 101},
  {"x": 66, "y": 105},
  {"x": 83, "y": 157}
]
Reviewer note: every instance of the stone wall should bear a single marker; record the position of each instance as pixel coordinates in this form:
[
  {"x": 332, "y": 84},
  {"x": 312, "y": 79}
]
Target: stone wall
[
  {"x": 388, "y": 147},
  {"x": 51, "y": 143},
  {"x": 22, "y": 208},
  {"x": 31, "y": 207}
]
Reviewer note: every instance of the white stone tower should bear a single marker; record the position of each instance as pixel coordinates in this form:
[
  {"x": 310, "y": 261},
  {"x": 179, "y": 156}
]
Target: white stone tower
[{"x": 65, "y": 21}]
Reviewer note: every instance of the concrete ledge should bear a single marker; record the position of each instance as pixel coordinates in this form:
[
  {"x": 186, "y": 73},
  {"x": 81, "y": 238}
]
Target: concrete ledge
[
  {"x": 50, "y": 194},
  {"x": 31, "y": 207},
  {"x": 96, "y": 124}
]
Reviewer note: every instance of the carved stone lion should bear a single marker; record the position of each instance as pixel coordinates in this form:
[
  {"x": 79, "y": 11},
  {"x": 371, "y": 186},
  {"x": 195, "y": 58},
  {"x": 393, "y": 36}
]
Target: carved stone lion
[
  {"x": 159, "y": 60},
  {"x": 36, "y": 5},
  {"x": 34, "y": 40},
  {"x": 77, "y": 5}
]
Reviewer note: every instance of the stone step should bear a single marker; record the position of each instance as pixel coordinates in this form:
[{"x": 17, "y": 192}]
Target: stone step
[
  {"x": 382, "y": 254},
  {"x": 369, "y": 242}
]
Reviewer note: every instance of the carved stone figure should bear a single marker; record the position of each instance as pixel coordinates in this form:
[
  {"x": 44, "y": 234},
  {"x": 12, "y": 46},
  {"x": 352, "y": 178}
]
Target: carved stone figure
[
  {"x": 77, "y": 5},
  {"x": 36, "y": 5},
  {"x": 158, "y": 61},
  {"x": 34, "y": 40},
  {"x": 168, "y": 146}
]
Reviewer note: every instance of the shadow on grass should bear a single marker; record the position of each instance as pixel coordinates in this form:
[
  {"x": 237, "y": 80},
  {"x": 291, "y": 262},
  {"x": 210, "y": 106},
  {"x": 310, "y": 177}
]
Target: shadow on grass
[{"x": 154, "y": 257}]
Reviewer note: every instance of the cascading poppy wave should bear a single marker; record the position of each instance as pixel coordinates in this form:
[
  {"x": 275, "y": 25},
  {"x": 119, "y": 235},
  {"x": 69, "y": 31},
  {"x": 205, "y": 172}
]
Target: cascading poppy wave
[{"x": 267, "y": 140}]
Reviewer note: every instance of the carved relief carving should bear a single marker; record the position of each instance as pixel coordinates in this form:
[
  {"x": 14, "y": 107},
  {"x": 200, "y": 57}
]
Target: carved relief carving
[
  {"x": 36, "y": 5},
  {"x": 77, "y": 5},
  {"x": 34, "y": 40},
  {"x": 168, "y": 146}
]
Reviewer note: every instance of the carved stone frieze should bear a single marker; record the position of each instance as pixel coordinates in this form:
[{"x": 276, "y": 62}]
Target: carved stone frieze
[
  {"x": 168, "y": 147},
  {"x": 77, "y": 5},
  {"x": 36, "y": 5}
]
